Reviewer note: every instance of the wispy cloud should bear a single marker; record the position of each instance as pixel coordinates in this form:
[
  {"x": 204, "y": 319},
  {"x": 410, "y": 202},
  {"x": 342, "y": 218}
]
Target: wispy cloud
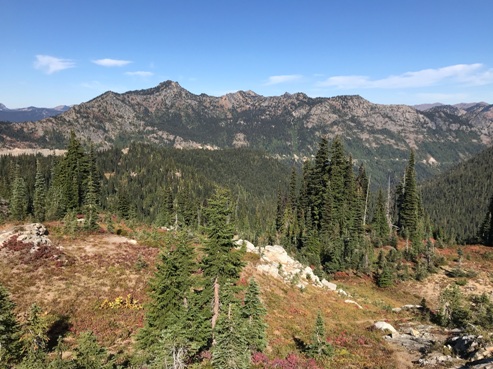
[
  {"x": 50, "y": 64},
  {"x": 274, "y": 80},
  {"x": 470, "y": 74},
  {"x": 111, "y": 62},
  {"x": 140, "y": 73}
]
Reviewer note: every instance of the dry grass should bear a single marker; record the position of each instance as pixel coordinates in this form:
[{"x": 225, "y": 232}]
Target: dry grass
[
  {"x": 105, "y": 266},
  {"x": 98, "y": 267}
]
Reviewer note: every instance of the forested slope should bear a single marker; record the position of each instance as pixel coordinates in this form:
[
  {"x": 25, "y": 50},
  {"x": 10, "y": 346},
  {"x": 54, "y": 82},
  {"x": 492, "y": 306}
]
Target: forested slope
[{"x": 457, "y": 200}]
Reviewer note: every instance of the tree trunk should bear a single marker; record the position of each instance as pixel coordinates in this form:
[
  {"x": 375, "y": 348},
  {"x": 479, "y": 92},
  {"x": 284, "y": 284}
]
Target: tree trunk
[{"x": 215, "y": 309}]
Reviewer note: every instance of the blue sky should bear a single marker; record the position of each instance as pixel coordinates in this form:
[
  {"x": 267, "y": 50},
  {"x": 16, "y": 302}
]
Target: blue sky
[{"x": 57, "y": 52}]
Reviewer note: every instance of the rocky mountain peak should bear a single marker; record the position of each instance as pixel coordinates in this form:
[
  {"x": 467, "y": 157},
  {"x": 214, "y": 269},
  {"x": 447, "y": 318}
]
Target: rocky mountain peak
[{"x": 287, "y": 126}]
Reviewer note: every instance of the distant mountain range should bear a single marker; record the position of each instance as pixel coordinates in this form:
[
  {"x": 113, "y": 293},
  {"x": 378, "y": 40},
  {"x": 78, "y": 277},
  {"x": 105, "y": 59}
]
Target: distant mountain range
[
  {"x": 287, "y": 126},
  {"x": 30, "y": 113},
  {"x": 465, "y": 106}
]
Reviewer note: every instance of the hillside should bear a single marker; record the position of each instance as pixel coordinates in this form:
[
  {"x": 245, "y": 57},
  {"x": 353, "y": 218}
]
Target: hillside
[
  {"x": 74, "y": 292},
  {"x": 287, "y": 126},
  {"x": 457, "y": 200}
]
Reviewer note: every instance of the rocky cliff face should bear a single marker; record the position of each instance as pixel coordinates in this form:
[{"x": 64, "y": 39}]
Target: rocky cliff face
[{"x": 287, "y": 126}]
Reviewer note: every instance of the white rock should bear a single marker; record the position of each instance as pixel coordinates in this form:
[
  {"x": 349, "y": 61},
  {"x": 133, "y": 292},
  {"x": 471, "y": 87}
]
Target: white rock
[
  {"x": 384, "y": 326},
  {"x": 341, "y": 292},
  {"x": 248, "y": 245},
  {"x": 331, "y": 286},
  {"x": 354, "y": 303}
]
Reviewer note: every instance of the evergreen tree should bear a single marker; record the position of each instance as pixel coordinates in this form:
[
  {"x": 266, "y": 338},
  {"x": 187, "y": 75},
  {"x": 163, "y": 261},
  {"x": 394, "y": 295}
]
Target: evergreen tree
[
  {"x": 71, "y": 175},
  {"x": 35, "y": 339},
  {"x": 408, "y": 212},
  {"x": 222, "y": 263},
  {"x": 486, "y": 231},
  {"x": 55, "y": 200},
  {"x": 10, "y": 346},
  {"x": 91, "y": 207},
  {"x": 35, "y": 330},
  {"x": 254, "y": 312},
  {"x": 19, "y": 200},
  {"x": 385, "y": 276},
  {"x": 338, "y": 172},
  {"x": 72, "y": 171},
  {"x": 89, "y": 354},
  {"x": 170, "y": 308},
  {"x": 380, "y": 224},
  {"x": 319, "y": 345},
  {"x": 39, "y": 199},
  {"x": 123, "y": 204},
  {"x": 317, "y": 183},
  {"x": 231, "y": 348}
]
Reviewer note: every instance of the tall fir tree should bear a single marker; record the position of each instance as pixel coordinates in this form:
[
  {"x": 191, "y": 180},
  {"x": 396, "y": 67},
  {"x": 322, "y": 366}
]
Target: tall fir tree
[
  {"x": 380, "y": 225},
  {"x": 231, "y": 348},
  {"x": 91, "y": 206},
  {"x": 408, "y": 212},
  {"x": 19, "y": 200},
  {"x": 317, "y": 183},
  {"x": 338, "y": 171},
  {"x": 486, "y": 231},
  {"x": 169, "y": 311},
  {"x": 10, "y": 345},
  {"x": 222, "y": 263},
  {"x": 253, "y": 312},
  {"x": 39, "y": 198}
]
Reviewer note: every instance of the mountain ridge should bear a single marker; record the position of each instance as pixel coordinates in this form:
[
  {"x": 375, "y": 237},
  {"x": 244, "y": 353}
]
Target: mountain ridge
[
  {"x": 287, "y": 126},
  {"x": 29, "y": 113}
]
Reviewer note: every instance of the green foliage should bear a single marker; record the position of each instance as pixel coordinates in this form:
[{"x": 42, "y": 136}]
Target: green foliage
[
  {"x": 385, "y": 276},
  {"x": 34, "y": 331},
  {"x": 380, "y": 224},
  {"x": 89, "y": 354},
  {"x": 19, "y": 200},
  {"x": 10, "y": 346},
  {"x": 231, "y": 347},
  {"x": 452, "y": 311},
  {"x": 457, "y": 200},
  {"x": 170, "y": 311},
  {"x": 33, "y": 360},
  {"x": 39, "y": 200},
  {"x": 90, "y": 206},
  {"x": 221, "y": 260},
  {"x": 319, "y": 345},
  {"x": 408, "y": 207},
  {"x": 325, "y": 223},
  {"x": 486, "y": 230},
  {"x": 253, "y": 312}
]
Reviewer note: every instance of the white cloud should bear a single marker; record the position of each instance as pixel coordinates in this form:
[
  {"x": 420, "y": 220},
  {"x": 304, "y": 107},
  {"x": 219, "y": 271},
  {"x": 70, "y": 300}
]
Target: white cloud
[
  {"x": 50, "y": 64},
  {"x": 471, "y": 74},
  {"x": 140, "y": 73},
  {"x": 274, "y": 80},
  {"x": 111, "y": 62}
]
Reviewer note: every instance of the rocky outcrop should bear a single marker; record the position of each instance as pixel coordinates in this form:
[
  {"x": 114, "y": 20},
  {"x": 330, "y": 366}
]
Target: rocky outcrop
[
  {"x": 276, "y": 262},
  {"x": 34, "y": 234}
]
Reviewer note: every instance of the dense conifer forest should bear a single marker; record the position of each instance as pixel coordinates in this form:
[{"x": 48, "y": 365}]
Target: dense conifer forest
[{"x": 458, "y": 200}]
